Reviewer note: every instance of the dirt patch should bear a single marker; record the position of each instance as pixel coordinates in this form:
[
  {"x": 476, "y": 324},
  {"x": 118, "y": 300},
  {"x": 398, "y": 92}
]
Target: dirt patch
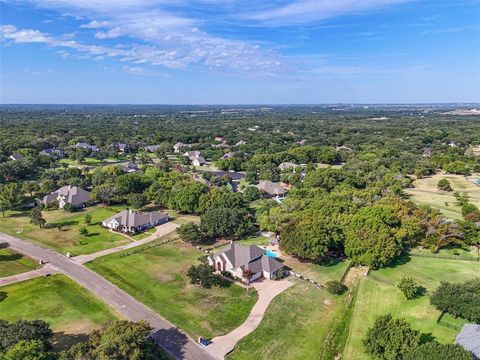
[{"x": 355, "y": 273}]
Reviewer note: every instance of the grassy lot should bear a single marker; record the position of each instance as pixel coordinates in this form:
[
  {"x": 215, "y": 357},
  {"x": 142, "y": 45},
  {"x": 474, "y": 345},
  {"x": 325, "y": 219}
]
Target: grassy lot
[
  {"x": 65, "y": 305},
  {"x": 12, "y": 263},
  {"x": 157, "y": 277},
  {"x": 426, "y": 193},
  {"x": 294, "y": 326},
  {"x": 379, "y": 295},
  {"x": 68, "y": 239},
  {"x": 467, "y": 253}
]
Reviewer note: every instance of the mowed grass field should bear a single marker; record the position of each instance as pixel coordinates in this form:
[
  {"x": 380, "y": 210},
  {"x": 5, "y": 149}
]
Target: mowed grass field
[
  {"x": 294, "y": 326},
  {"x": 426, "y": 193},
  {"x": 65, "y": 305},
  {"x": 68, "y": 239},
  {"x": 157, "y": 277},
  {"x": 378, "y": 295},
  {"x": 12, "y": 263}
]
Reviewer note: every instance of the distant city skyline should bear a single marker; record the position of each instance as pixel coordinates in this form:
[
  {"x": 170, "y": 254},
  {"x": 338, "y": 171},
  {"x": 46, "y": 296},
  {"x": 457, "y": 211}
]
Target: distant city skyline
[{"x": 239, "y": 52}]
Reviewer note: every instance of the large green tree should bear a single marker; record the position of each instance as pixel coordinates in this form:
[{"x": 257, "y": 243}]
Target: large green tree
[
  {"x": 390, "y": 339},
  {"x": 371, "y": 237},
  {"x": 222, "y": 221}
]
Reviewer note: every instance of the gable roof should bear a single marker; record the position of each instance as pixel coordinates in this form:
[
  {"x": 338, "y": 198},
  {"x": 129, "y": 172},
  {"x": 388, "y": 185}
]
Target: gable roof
[
  {"x": 129, "y": 167},
  {"x": 469, "y": 338},
  {"x": 70, "y": 195},
  {"x": 271, "y": 188},
  {"x": 54, "y": 152},
  {"x": 129, "y": 218},
  {"x": 249, "y": 257},
  {"x": 16, "y": 156},
  {"x": 86, "y": 146},
  {"x": 239, "y": 255},
  {"x": 200, "y": 159}
]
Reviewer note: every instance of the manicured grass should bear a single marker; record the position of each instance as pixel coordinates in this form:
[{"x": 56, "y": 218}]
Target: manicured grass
[
  {"x": 68, "y": 239},
  {"x": 157, "y": 277},
  {"x": 426, "y": 193},
  {"x": 61, "y": 302},
  {"x": 318, "y": 272},
  {"x": 294, "y": 326},
  {"x": 467, "y": 253},
  {"x": 12, "y": 263},
  {"x": 143, "y": 235},
  {"x": 254, "y": 240},
  {"x": 378, "y": 295}
]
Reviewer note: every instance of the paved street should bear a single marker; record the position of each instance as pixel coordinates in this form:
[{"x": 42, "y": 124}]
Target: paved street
[{"x": 167, "y": 335}]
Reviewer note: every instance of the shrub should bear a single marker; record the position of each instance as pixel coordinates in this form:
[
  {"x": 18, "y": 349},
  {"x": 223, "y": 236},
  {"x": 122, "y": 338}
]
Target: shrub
[
  {"x": 83, "y": 231},
  {"x": 68, "y": 208},
  {"x": 409, "y": 287},
  {"x": 87, "y": 219},
  {"x": 335, "y": 287},
  {"x": 468, "y": 209},
  {"x": 444, "y": 185},
  {"x": 203, "y": 275}
]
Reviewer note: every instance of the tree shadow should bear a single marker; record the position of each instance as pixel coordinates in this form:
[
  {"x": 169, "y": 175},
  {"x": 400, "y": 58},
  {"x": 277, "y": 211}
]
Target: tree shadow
[
  {"x": 223, "y": 283},
  {"x": 62, "y": 341},
  {"x": 171, "y": 340},
  {"x": 426, "y": 337},
  {"x": 402, "y": 260},
  {"x": 92, "y": 234},
  {"x": 3, "y": 296},
  {"x": 11, "y": 257}
]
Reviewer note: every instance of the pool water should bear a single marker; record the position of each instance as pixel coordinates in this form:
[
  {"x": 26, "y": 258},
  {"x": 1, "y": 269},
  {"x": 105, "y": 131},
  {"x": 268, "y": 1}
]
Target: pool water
[{"x": 271, "y": 253}]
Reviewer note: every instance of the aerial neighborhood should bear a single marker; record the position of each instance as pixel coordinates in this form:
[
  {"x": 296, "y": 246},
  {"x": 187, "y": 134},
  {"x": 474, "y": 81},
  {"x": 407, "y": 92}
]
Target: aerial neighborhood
[{"x": 245, "y": 229}]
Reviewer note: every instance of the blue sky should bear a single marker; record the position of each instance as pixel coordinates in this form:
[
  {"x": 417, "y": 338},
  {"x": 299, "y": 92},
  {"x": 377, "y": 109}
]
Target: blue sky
[{"x": 239, "y": 51}]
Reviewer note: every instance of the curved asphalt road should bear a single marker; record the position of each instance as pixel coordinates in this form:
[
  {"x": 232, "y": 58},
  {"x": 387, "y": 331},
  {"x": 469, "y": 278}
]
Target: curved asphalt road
[{"x": 170, "y": 338}]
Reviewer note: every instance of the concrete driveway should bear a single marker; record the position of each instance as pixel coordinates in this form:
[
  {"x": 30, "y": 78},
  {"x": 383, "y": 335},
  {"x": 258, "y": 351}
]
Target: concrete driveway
[{"x": 267, "y": 291}]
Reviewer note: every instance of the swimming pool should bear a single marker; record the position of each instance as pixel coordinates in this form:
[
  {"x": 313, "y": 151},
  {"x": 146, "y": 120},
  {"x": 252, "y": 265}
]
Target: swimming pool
[{"x": 271, "y": 253}]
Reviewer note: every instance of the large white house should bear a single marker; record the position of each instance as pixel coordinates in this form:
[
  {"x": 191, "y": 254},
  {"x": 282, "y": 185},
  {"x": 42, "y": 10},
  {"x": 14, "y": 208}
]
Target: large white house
[
  {"x": 129, "y": 221},
  {"x": 235, "y": 259}
]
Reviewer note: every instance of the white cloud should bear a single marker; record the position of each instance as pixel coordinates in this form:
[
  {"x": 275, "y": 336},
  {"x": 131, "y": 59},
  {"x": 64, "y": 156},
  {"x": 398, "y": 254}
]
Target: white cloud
[
  {"x": 94, "y": 25},
  {"x": 304, "y": 11},
  {"x": 10, "y": 32}
]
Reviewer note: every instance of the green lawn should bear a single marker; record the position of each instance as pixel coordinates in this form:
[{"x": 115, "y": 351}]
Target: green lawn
[
  {"x": 68, "y": 239},
  {"x": 294, "y": 326},
  {"x": 157, "y": 277},
  {"x": 426, "y": 193},
  {"x": 467, "y": 253},
  {"x": 12, "y": 263},
  {"x": 65, "y": 305},
  {"x": 379, "y": 295},
  {"x": 143, "y": 235}
]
